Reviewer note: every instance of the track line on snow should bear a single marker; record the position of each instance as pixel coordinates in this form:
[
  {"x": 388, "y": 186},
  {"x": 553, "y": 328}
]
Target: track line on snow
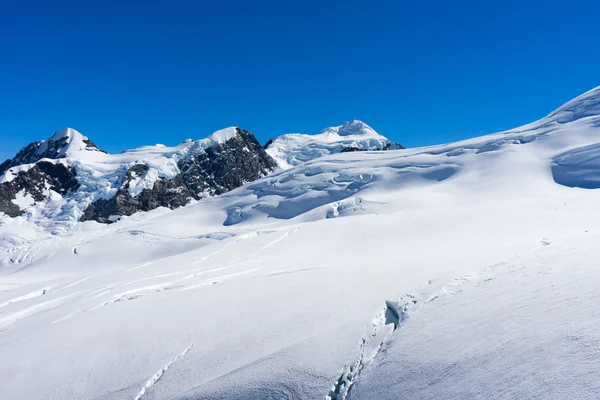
[
  {"x": 10, "y": 319},
  {"x": 140, "y": 266},
  {"x": 27, "y": 296},
  {"x": 280, "y": 238},
  {"x": 158, "y": 374},
  {"x": 218, "y": 279},
  {"x": 75, "y": 283}
]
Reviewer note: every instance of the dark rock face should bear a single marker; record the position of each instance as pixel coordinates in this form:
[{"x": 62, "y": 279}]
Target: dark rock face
[
  {"x": 210, "y": 170},
  {"x": 36, "y": 181},
  {"x": 26, "y": 155},
  {"x": 226, "y": 166},
  {"x": 350, "y": 149},
  {"x": 269, "y": 142},
  {"x": 170, "y": 193},
  {"x": 216, "y": 170},
  {"x": 393, "y": 146}
]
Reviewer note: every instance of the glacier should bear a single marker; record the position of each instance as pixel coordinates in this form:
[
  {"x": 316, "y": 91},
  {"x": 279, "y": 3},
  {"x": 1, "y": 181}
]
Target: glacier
[{"x": 461, "y": 270}]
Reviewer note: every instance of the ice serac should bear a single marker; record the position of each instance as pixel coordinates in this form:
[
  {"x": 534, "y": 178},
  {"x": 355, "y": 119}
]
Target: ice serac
[
  {"x": 67, "y": 179},
  {"x": 293, "y": 149}
]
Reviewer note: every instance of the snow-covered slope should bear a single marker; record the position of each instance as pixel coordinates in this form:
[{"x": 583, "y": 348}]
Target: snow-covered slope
[
  {"x": 295, "y": 148},
  {"x": 464, "y": 270}
]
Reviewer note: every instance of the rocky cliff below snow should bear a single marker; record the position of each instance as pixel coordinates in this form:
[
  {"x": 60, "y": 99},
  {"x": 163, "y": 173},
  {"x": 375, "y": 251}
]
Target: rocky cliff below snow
[{"x": 66, "y": 179}]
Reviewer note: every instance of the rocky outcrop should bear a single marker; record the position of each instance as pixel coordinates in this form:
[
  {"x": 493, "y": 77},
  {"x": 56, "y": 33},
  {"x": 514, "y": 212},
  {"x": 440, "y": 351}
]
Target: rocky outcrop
[
  {"x": 226, "y": 166},
  {"x": 36, "y": 184},
  {"x": 170, "y": 193},
  {"x": 387, "y": 146}
]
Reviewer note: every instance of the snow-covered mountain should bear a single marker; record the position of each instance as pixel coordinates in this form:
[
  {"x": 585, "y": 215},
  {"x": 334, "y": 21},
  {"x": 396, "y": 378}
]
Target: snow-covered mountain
[
  {"x": 67, "y": 179},
  {"x": 462, "y": 270},
  {"x": 64, "y": 143},
  {"x": 295, "y": 148}
]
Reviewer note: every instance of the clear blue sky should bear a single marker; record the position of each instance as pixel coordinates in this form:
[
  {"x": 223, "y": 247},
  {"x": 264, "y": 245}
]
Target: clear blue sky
[{"x": 421, "y": 72}]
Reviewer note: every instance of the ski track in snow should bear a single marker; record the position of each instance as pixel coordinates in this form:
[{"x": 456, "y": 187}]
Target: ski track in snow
[
  {"x": 286, "y": 234},
  {"x": 158, "y": 374},
  {"x": 140, "y": 266},
  {"x": 27, "y": 296},
  {"x": 75, "y": 283},
  {"x": 10, "y": 319},
  {"x": 176, "y": 285}
]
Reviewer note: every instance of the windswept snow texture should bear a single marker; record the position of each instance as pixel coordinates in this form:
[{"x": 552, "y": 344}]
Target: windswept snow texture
[
  {"x": 458, "y": 271},
  {"x": 295, "y": 148}
]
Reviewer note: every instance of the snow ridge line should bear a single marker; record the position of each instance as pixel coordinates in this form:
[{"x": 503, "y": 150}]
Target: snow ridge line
[{"x": 158, "y": 374}]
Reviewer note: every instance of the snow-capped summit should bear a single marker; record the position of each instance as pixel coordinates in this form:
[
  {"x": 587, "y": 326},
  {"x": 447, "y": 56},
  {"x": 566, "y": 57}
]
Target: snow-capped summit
[
  {"x": 68, "y": 133},
  {"x": 585, "y": 105},
  {"x": 64, "y": 143},
  {"x": 222, "y": 135},
  {"x": 69, "y": 142},
  {"x": 351, "y": 128},
  {"x": 295, "y": 148}
]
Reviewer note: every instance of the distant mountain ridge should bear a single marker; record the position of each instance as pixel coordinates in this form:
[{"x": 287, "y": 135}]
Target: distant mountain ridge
[{"x": 66, "y": 178}]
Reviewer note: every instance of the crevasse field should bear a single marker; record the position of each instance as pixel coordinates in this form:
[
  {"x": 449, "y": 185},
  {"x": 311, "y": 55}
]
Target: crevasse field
[{"x": 466, "y": 270}]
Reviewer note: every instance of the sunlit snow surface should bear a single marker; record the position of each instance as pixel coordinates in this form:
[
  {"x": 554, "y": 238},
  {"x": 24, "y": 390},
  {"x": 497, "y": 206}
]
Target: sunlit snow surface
[{"x": 466, "y": 270}]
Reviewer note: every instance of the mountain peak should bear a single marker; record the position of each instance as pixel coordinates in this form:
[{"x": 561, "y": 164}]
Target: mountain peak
[
  {"x": 64, "y": 143},
  {"x": 356, "y": 127},
  {"x": 223, "y": 135},
  {"x": 354, "y": 135},
  {"x": 66, "y": 132},
  {"x": 353, "y": 127}
]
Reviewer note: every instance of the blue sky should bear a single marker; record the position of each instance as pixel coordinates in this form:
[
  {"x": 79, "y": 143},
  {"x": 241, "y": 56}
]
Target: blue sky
[{"x": 131, "y": 73}]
